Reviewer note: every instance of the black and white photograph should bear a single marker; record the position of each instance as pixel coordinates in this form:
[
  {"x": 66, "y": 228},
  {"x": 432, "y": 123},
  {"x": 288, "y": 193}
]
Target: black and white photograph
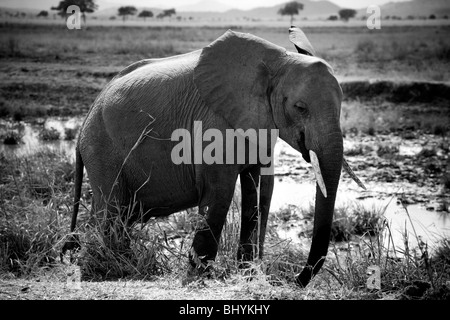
[{"x": 233, "y": 157}]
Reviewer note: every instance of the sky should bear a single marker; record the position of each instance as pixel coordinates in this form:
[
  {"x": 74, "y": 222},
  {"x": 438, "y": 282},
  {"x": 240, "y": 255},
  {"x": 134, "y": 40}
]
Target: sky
[
  {"x": 239, "y": 4},
  {"x": 248, "y": 4}
]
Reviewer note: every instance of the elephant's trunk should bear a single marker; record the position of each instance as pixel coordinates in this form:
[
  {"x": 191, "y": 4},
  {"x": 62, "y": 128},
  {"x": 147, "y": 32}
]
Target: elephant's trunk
[{"x": 330, "y": 160}]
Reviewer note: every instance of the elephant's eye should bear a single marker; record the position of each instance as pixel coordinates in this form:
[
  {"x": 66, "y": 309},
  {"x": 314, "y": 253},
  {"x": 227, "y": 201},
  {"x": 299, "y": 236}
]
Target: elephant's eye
[{"x": 301, "y": 106}]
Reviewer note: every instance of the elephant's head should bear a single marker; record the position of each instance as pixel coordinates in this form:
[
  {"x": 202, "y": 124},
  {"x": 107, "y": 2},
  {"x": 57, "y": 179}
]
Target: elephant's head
[{"x": 253, "y": 83}]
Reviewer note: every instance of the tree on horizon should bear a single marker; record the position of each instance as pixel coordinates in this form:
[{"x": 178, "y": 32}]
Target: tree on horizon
[
  {"x": 166, "y": 13},
  {"x": 346, "y": 14},
  {"x": 43, "y": 13},
  {"x": 88, "y": 6},
  {"x": 126, "y": 11},
  {"x": 290, "y": 9},
  {"x": 145, "y": 14}
]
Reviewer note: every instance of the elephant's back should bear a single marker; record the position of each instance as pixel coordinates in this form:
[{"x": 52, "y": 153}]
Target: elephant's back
[
  {"x": 158, "y": 90},
  {"x": 187, "y": 58}
]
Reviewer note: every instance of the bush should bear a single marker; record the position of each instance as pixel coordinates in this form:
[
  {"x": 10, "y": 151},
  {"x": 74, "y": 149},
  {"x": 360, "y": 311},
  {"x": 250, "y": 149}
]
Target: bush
[
  {"x": 12, "y": 137},
  {"x": 357, "y": 220},
  {"x": 70, "y": 133},
  {"x": 387, "y": 150},
  {"x": 50, "y": 134}
]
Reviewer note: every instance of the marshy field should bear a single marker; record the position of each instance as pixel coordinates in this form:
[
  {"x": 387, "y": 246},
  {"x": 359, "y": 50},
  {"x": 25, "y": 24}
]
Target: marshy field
[{"x": 396, "y": 124}]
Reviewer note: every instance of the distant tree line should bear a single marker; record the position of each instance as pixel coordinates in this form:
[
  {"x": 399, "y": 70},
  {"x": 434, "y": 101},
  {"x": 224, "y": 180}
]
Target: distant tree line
[
  {"x": 126, "y": 11},
  {"x": 291, "y": 9},
  {"x": 346, "y": 14}
]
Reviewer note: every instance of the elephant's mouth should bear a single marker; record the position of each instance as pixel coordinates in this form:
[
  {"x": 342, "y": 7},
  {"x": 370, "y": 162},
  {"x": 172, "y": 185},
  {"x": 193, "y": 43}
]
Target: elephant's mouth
[
  {"x": 306, "y": 154},
  {"x": 304, "y": 151}
]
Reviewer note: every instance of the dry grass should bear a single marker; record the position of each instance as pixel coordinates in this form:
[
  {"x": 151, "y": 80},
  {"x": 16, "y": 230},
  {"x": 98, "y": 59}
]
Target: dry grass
[
  {"x": 391, "y": 51},
  {"x": 371, "y": 117},
  {"x": 34, "y": 221}
]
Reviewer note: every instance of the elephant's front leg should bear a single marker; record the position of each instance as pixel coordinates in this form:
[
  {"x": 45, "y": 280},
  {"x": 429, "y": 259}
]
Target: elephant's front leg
[
  {"x": 216, "y": 196},
  {"x": 254, "y": 219}
]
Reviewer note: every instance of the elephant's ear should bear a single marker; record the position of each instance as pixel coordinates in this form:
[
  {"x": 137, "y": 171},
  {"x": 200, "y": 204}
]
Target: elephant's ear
[
  {"x": 301, "y": 42},
  {"x": 233, "y": 77}
]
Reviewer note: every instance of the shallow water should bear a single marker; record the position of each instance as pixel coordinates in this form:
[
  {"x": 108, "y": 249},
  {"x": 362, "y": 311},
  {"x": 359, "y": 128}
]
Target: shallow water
[
  {"x": 31, "y": 143},
  {"x": 415, "y": 221}
]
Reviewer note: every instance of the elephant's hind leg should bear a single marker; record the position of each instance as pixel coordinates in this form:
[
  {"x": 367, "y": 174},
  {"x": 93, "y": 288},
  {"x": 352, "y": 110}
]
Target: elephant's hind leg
[{"x": 214, "y": 204}]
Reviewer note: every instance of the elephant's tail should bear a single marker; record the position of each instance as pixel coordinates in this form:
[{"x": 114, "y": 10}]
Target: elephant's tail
[
  {"x": 73, "y": 242},
  {"x": 78, "y": 183}
]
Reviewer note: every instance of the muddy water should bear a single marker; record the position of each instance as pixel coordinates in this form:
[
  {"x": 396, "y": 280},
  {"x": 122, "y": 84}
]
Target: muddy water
[{"x": 294, "y": 185}]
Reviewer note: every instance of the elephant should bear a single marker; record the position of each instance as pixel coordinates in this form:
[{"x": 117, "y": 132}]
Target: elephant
[{"x": 239, "y": 82}]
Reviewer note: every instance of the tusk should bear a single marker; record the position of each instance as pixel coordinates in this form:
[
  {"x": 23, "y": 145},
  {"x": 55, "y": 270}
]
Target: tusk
[
  {"x": 317, "y": 172},
  {"x": 352, "y": 174}
]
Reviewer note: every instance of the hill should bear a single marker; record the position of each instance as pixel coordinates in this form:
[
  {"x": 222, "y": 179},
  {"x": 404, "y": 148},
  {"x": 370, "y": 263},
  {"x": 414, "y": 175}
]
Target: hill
[
  {"x": 205, "y": 6},
  {"x": 414, "y": 8},
  {"x": 205, "y": 10},
  {"x": 311, "y": 9},
  {"x": 211, "y": 9}
]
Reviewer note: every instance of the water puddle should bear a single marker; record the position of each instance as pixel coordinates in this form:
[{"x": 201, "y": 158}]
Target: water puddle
[
  {"x": 413, "y": 221},
  {"x": 31, "y": 142}
]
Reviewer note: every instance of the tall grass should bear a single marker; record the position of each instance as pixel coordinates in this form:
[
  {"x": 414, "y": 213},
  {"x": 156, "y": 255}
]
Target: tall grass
[
  {"x": 409, "y": 273},
  {"x": 33, "y": 210}
]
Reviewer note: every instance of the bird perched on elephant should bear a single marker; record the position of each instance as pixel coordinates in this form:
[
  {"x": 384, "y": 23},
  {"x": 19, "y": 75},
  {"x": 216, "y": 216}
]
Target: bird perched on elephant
[{"x": 241, "y": 83}]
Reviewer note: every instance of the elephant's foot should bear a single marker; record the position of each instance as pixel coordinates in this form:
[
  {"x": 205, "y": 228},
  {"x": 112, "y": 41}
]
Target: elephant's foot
[
  {"x": 72, "y": 245},
  {"x": 249, "y": 269},
  {"x": 245, "y": 255},
  {"x": 198, "y": 269},
  {"x": 197, "y": 275}
]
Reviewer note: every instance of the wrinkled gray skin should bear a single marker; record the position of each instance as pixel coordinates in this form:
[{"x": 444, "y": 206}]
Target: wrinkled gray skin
[{"x": 238, "y": 81}]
